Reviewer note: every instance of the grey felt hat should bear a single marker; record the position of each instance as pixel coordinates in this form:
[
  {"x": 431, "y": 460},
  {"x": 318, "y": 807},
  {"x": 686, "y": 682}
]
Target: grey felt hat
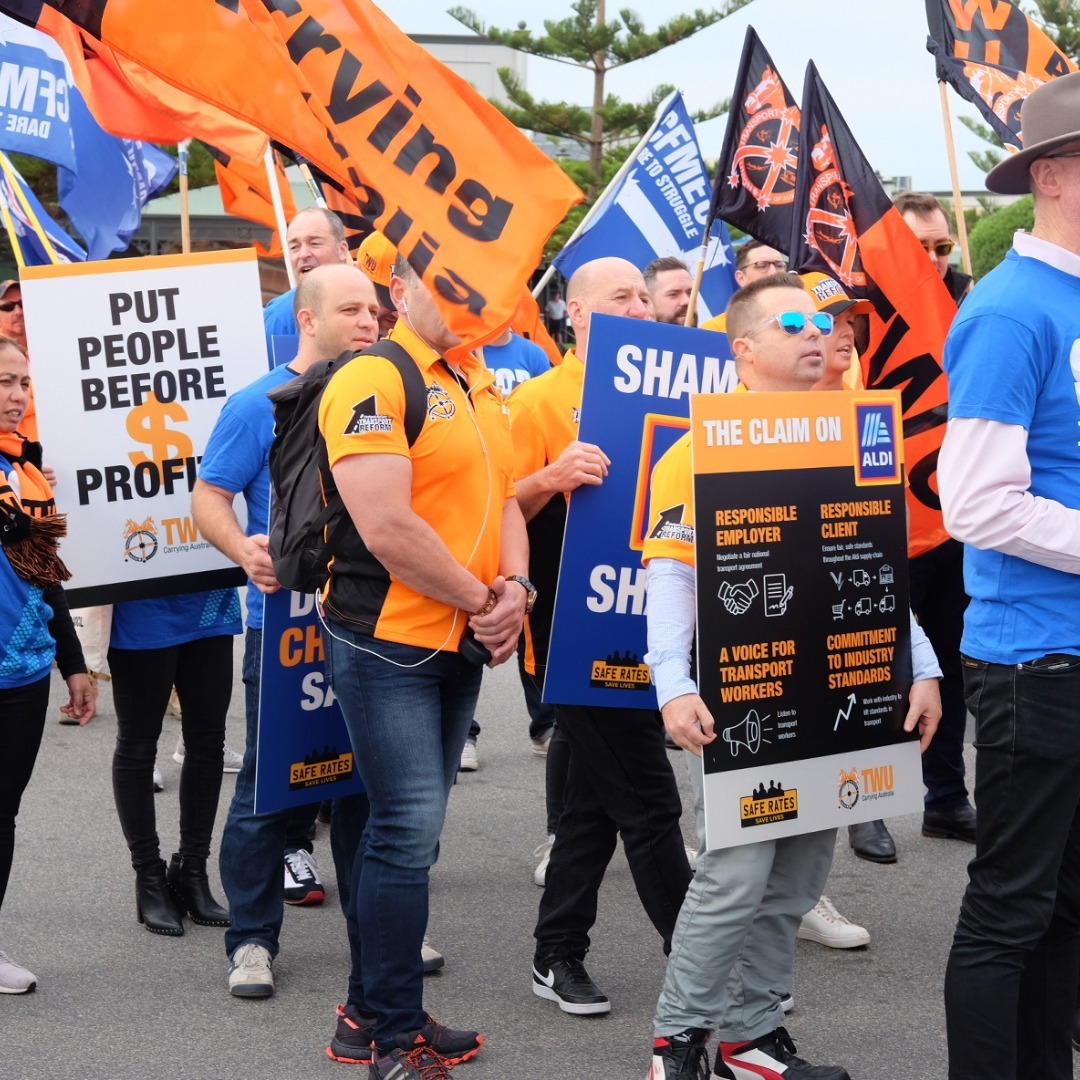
[{"x": 1049, "y": 117}]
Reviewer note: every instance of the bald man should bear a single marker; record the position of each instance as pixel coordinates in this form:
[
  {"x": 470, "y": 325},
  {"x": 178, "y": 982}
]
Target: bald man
[
  {"x": 618, "y": 778},
  {"x": 336, "y": 309}
]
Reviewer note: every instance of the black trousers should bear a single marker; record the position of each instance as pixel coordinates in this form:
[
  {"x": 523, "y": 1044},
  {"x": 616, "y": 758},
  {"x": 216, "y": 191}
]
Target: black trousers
[
  {"x": 939, "y": 602},
  {"x": 142, "y": 680},
  {"x": 22, "y": 721},
  {"x": 1016, "y": 950},
  {"x": 619, "y": 782}
]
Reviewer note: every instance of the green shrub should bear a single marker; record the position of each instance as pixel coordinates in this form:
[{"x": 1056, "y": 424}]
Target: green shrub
[{"x": 993, "y": 236}]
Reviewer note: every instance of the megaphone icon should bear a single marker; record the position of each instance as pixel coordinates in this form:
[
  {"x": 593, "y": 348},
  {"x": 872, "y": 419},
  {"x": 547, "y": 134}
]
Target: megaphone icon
[{"x": 747, "y": 733}]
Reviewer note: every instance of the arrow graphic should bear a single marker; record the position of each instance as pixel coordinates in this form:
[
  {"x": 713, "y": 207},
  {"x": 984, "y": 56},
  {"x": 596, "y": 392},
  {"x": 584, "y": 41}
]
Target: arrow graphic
[{"x": 844, "y": 713}]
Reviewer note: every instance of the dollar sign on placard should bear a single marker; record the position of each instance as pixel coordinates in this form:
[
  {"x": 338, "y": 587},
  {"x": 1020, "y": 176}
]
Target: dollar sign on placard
[{"x": 146, "y": 423}]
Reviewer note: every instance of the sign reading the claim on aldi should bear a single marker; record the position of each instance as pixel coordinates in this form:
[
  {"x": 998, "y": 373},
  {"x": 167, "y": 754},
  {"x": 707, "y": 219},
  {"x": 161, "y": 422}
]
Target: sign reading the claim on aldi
[{"x": 803, "y": 635}]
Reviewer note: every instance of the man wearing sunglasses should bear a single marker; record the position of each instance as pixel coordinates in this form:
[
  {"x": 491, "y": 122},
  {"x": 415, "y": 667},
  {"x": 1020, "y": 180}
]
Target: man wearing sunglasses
[
  {"x": 12, "y": 324},
  {"x": 926, "y": 219},
  {"x": 734, "y": 944},
  {"x": 753, "y": 261}
]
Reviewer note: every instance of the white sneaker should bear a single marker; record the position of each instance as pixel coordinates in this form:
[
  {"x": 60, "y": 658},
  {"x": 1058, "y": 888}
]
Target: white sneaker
[
  {"x": 159, "y": 780},
  {"x": 231, "y": 760},
  {"x": 825, "y": 925},
  {"x": 14, "y": 978},
  {"x": 543, "y": 853},
  {"x": 433, "y": 959},
  {"x": 691, "y": 857},
  {"x": 470, "y": 762},
  {"x": 250, "y": 975},
  {"x": 540, "y": 746},
  {"x": 787, "y": 1003}
]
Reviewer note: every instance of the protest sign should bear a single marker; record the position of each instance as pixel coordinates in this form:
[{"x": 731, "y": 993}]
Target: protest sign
[
  {"x": 132, "y": 361},
  {"x": 803, "y": 633},
  {"x": 635, "y": 403},
  {"x": 304, "y": 753}
]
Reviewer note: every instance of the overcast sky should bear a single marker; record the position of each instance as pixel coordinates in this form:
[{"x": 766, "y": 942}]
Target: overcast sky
[{"x": 871, "y": 55}]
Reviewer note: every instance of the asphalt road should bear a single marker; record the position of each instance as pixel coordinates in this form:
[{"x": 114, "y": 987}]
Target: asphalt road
[{"x": 116, "y": 1002}]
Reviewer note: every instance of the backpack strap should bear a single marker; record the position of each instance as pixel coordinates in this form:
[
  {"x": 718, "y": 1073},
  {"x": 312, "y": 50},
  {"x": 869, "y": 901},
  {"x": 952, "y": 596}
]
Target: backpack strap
[{"x": 411, "y": 379}]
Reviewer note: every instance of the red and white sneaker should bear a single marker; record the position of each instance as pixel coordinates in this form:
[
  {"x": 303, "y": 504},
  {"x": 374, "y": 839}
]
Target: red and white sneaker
[{"x": 771, "y": 1057}]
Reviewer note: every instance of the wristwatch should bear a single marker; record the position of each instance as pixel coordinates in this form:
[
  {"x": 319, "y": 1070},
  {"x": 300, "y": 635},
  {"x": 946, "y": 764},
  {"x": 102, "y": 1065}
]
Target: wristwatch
[{"x": 530, "y": 590}]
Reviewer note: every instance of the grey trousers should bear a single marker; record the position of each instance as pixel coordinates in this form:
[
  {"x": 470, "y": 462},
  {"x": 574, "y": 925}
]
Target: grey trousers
[{"x": 734, "y": 944}]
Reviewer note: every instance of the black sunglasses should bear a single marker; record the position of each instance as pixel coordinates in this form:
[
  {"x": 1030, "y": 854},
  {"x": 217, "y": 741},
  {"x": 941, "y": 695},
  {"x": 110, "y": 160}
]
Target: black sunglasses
[{"x": 10, "y": 305}]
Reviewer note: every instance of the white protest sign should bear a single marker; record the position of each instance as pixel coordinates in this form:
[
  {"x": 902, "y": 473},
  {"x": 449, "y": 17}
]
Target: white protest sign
[{"x": 132, "y": 361}]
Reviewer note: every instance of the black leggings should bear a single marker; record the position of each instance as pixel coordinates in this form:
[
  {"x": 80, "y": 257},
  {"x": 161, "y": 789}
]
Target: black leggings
[
  {"x": 22, "y": 721},
  {"x": 142, "y": 680}
]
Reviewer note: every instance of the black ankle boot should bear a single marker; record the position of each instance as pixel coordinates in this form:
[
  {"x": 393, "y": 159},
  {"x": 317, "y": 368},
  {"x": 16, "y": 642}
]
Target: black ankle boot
[
  {"x": 191, "y": 887},
  {"x": 155, "y": 904}
]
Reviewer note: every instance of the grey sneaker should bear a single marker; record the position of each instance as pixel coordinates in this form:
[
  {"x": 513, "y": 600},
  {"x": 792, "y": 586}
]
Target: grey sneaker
[
  {"x": 543, "y": 853},
  {"x": 231, "y": 760},
  {"x": 159, "y": 781},
  {"x": 250, "y": 975},
  {"x": 15, "y": 979},
  {"x": 433, "y": 959},
  {"x": 470, "y": 760}
]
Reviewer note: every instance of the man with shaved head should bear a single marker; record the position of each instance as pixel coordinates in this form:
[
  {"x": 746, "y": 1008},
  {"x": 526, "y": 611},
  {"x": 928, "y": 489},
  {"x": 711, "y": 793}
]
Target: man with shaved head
[
  {"x": 336, "y": 309},
  {"x": 618, "y": 779}
]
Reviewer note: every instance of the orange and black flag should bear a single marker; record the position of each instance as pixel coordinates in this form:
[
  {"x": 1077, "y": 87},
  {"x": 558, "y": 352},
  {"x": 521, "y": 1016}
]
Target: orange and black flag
[
  {"x": 995, "y": 32},
  {"x": 846, "y": 226},
  {"x": 755, "y": 177},
  {"x": 432, "y": 165},
  {"x": 357, "y": 227},
  {"x": 529, "y": 323},
  {"x": 245, "y": 193},
  {"x": 997, "y": 92}
]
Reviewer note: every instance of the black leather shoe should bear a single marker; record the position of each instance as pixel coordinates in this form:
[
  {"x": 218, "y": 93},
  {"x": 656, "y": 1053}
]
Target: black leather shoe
[
  {"x": 871, "y": 840},
  {"x": 955, "y": 824},
  {"x": 191, "y": 887},
  {"x": 155, "y": 905}
]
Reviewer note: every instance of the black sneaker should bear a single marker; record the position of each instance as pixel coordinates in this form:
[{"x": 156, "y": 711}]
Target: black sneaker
[
  {"x": 681, "y": 1057},
  {"x": 567, "y": 982},
  {"x": 772, "y": 1057},
  {"x": 449, "y": 1046},
  {"x": 353, "y": 1037},
  {"x": 398, "y": 1065}
]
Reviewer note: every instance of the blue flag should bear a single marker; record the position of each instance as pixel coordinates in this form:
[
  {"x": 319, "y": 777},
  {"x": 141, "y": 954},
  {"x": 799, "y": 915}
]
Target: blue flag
[
  {"x": 20, "y": 210},
  {"x": 660, "y": 207},
  {"x": 114, "y": 179},
  {"x": 35, "y": 91}
]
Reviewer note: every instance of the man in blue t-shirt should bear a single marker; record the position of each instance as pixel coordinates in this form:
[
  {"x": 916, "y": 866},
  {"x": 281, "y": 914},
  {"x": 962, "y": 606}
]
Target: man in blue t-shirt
[
  {"x": 335, "y": 310},
  {"x": 1009, "y": 475},
  {"x": 514, "y": 359},
  {"x": 315, "y": 237}
]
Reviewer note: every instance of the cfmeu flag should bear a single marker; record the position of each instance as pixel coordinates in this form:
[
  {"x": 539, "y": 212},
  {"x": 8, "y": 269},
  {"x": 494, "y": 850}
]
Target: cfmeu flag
[
  {"x": 434, "y": 166},
  {"x": 658, "y": 207},
  {"x": 997, "y": 92},
  {"x": 755, "y": 177},
  {"x": 113, "y": 180},
  {"x": 36, "y": 239},
  {"x": 35, "y": 96},
  {"x": 845, "y": 226},
  {"x": 995, "y": 32}
]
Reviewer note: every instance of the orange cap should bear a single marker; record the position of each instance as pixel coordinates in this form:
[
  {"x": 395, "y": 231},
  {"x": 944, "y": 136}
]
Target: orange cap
[{"x": 828, "y": 294}]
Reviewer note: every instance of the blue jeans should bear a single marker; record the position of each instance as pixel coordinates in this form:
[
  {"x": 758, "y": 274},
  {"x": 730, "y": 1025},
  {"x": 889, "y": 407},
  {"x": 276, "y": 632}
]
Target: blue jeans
[
  {"x": 252, "y": 845},
  {"x": 407, "y": 726},
  {"x": 1012, "y": 969}
]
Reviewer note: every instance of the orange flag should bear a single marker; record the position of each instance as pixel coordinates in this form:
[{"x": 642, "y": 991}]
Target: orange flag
[
  {"x": 439, "y": 171},
  {"x": 846, "y": 226},
  {"x": 245, "y": 193},
  {"x": 131, "y": 102},
  {"x": 529, "y": 323}
]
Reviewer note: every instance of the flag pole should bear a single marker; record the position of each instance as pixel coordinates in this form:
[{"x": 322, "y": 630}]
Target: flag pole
[
  {"x": 313, "y": 186},
  {"x": 279, "y": 210},
  {"x": 958, "y": 202},
  {"x": 699, "y": 273},
  {"x": 28, "y": 210},
  {"x": 16, "y": 247},
  {"x": 593, "y": 210},
  {"x": 185, "y": 212}
]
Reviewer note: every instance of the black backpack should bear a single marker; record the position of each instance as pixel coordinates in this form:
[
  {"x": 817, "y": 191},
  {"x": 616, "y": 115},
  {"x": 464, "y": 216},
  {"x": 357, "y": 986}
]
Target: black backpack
[{"x": 305, "y": 528}]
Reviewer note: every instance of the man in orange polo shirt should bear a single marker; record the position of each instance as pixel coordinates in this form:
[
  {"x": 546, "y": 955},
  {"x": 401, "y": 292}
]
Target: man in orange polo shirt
[{"x": 438, "y": 548}]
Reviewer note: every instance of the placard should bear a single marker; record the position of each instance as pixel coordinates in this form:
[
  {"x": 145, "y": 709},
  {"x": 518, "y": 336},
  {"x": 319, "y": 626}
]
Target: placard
[
  {"x": 132, "y": 361},
  {"x": 635, "y": 403},
  {"x": 304, "y": 752},
  {"x": 803, "y": 632}
]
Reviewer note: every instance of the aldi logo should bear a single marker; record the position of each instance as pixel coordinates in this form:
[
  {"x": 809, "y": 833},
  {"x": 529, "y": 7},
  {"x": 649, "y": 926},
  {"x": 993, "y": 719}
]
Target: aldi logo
[{"x": 878, "y": 433}]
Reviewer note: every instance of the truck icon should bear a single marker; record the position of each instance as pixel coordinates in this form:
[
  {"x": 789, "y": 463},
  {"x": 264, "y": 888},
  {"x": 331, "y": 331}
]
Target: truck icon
[
  {"x": 860, "y": 578},
  {"x": 887, "y": 603},
  {"x": 864, "y": 605}
]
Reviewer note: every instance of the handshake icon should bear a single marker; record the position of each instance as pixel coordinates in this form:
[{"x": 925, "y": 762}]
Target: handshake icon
[{"x": 738, "y": 598}]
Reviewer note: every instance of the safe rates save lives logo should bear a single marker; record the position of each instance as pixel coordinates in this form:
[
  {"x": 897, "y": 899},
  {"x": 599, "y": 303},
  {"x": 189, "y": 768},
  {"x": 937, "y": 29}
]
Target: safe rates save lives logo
[
  {"x": 768, "y": 804},
  {"x": 320, "y": 767},
  {"x": 619, "y": 671}
]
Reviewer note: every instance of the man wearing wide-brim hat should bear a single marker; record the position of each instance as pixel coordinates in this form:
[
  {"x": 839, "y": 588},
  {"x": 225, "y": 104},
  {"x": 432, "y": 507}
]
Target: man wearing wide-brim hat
[{"x": 1009, "y": 475}]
